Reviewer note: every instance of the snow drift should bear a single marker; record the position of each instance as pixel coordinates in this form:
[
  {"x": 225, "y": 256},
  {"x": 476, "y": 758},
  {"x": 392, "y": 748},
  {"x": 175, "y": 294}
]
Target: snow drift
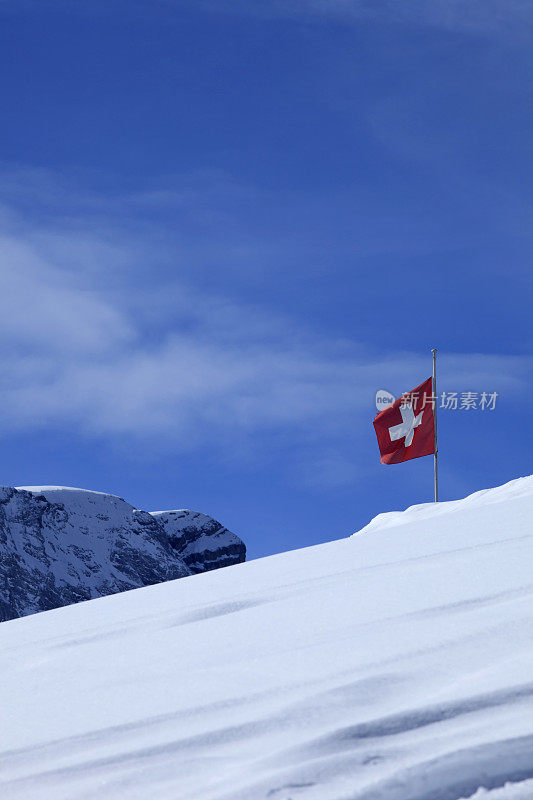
[{"x": 394, "y": 665}]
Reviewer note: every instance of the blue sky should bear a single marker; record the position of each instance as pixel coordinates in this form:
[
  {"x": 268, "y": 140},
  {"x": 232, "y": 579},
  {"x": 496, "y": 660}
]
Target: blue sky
[{"x": 224, "y": 226}]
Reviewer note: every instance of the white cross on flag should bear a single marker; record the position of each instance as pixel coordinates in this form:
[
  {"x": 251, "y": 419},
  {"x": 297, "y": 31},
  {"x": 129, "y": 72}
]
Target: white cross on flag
[{"x": 405, "y": 429}]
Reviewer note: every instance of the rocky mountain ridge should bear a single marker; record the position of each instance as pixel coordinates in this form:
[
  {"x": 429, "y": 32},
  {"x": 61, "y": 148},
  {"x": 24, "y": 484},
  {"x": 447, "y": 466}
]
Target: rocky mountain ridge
[{"x": 60, "y": 545}]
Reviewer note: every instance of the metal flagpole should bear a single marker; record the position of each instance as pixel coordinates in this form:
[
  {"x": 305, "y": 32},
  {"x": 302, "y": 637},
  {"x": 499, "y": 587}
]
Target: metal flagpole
[{"x": 434, "y": 387}]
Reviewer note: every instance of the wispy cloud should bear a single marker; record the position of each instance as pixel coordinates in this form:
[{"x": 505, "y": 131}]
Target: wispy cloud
[
  {"x": 494, "y": 16},
  {"x": 91, "y": 343}
]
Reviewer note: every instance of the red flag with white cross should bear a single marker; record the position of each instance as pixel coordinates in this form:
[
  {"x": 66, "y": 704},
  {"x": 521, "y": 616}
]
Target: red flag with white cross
[{"x": 406, "y": 428}]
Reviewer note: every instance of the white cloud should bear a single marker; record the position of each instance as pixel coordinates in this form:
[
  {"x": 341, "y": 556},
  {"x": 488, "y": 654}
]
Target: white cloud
[
  {"x": 83, "y": 349},
  {"x": 44, "y": 308}
]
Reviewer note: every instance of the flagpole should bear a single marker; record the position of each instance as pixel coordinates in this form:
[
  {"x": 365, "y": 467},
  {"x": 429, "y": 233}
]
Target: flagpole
[{"x": 435, "y": 463}]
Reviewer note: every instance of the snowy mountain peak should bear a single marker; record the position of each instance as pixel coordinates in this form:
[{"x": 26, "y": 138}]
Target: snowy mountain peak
[
  {"x": 56, "y": 491},
  {"x": 202, "y": 542},
  {"x": 60, "y": 545}
]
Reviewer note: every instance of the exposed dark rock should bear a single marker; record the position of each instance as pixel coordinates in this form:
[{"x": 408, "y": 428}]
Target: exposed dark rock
[
  {"x": 59, "y": 546},
  {"x": 201, "y": 541}
]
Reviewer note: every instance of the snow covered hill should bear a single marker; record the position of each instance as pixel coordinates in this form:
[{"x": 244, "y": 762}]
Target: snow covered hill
[
  {"x": 60, "y": 545},
  {"x": 394, "y": 665}
]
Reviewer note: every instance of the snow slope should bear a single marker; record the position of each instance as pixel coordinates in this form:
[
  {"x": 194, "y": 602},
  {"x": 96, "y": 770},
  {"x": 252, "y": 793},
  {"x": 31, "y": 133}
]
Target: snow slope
[{"x": 396, "y": 664}]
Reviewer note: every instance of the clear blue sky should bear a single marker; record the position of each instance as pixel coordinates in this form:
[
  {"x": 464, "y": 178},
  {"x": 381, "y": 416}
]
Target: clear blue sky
[{"x": 225, "y": 225}]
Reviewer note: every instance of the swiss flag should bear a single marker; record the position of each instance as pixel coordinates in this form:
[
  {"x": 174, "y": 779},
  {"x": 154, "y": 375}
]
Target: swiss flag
[{"x": 405, "y": 429}]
